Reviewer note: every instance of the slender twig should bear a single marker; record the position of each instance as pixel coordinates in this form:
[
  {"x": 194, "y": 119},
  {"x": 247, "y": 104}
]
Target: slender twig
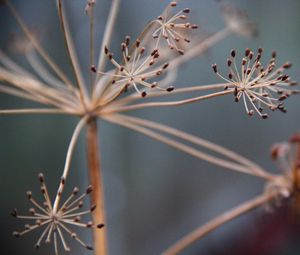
[
  {"x": 108, "y": 33},
  {"x": 10, "y": 64},
  {"x": 92, "y": 44},
  {"x": 39, "y": 69},
  {"x": 70, "y": 151},
  {"x": 71, "y": 51},
  {"x": 153, "y": 94},
  {"x": 200, "y": 142},
  {"x": 97, "y": 196},
  {"x": 117, "y": 119},
  {"x": 218, "y": 222},
  {"x": 37, "y": 46},
  {"x": 33, "y": 111},
  {"x": 165, "y": 104}
]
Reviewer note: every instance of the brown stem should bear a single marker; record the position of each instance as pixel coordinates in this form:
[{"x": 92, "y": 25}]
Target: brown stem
[
  {"x": 218, "y": 222},
  {"x": 97, "y": 196}
]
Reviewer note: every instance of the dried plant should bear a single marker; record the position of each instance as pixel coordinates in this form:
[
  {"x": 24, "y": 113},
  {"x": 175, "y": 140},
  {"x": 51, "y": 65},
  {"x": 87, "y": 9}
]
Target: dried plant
[
  {"x": 144, "y": 69},
  {"x": 57, "y": 218}
]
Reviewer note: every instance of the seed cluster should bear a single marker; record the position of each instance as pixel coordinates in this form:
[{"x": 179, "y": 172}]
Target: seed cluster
[
  {"x": 172, "y": 28},
  {"x": 137, "y": 68},
  {"x": 287, "y": 157},
  {"x": 55, "y": 222},
  {"x": 258, "y": 85}
]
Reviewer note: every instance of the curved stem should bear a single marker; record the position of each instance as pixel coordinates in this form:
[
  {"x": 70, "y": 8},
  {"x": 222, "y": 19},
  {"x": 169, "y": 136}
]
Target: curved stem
[
  {"x": 201, "y": 142},
  {"x": 218, "y": 222},
  {"x": 117, "y": 119},
  {"x": 97, "y": 196},
  {"x": 71, "y": 147}
]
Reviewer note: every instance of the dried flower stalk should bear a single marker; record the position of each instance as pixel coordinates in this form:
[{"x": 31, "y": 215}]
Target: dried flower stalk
[{"x": 147, "y": 68}]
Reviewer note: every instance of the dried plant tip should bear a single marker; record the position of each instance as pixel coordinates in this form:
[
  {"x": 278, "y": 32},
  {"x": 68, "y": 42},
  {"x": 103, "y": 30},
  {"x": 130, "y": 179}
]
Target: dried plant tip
[
  {"x": 14, "y": 213},
  {"x": 93, "y": 207},
  {"x": 287, "y": 157},
  {"x": 93, "y": 69},
  {"x": 89, "y": 224},
  {"x": 173, "y": 4},
  {"x": 89, "y": 247},
  {"x": 256, "y": 85},
  {"x": 233, "y": 53},
  {"x": 106, "y": 51},
  {"x": 16, "y": 234},
  {"x": 136, "y": 69},
  {"x": 89, "y": 6},
  {"x": 89, "y": 189},
  {"x": 56, "y": 220},
  {"x": 41, "y": 177},
  {"x": 75, "y": 191},
  {"x": 29, "y": 194},
  {"x": 170, "y": 89},
  {"x": 100, "y": 225},
  {"x": 215, "y": 68},
  {"x": 172, "y": 29}
]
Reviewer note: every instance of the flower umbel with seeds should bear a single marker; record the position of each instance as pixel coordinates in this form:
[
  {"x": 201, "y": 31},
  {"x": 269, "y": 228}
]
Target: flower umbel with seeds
[
  {"x": 171, "y": 29},
  {"x": 258, "y": 85},
  {"x": 136, "y": 70},
  {"x": 55, "y": 220},
  {"x": 146, "y": 67},
  {"x": 280, "y": 189}
]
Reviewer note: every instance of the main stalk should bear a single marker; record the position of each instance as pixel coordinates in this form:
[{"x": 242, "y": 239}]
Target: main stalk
[{"x": 97, "y": 196}]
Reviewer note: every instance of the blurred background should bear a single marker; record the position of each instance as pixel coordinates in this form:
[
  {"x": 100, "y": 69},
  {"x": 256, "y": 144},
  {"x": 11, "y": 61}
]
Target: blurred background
[{"x": 154, "y": 194}]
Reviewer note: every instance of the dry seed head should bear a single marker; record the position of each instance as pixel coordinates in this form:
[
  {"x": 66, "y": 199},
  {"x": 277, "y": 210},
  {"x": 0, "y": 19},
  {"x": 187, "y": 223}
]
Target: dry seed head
[
  {"x": 173, "y": 28},
  {"x": 287, "y": 157},
  {"x": 89, "y": 6},
  {"x": 137, "y": 68},
  {"x": 55, "y": 223},
  {"x": 258, "y": 86}
]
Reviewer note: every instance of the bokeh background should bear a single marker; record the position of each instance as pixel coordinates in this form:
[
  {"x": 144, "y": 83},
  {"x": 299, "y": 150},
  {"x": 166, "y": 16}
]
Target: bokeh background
[{"x": 154, "y": 194}]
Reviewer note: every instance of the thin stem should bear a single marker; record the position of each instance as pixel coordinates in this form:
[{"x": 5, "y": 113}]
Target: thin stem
[
  {"x": 218, "y": 222},
  {"x": 117, "y": 119},
  {"x": 70, "y": 151},
  {"x": 97, "y": 196},
  {"x": 201, "y": 142},
  {"x": 153, "y": 94},
  {"x": 108, "y": 33},
  {"x": 40, "y": 70},
  {"x": 92, "y": 44},
  {"x": 164, "y": 104},
  {"x": 37, "y": 46},
  {"x": 71, "y": 51},
  {"x": 33, "y": 111},
  {"x": 10, "y": 64}
]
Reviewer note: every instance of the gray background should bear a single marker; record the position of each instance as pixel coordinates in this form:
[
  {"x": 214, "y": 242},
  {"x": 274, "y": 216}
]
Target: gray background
[{"x": 154, "y": 194}]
